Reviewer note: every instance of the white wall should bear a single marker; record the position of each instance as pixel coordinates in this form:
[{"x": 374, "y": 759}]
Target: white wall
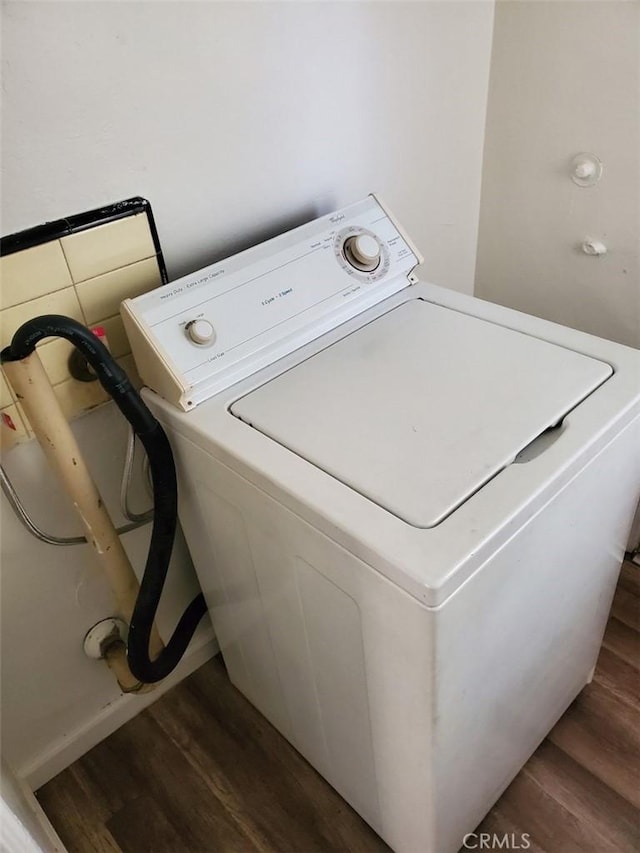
[
  {"x": 565, "y": 78},
  {"x": 235, "y": 120}
]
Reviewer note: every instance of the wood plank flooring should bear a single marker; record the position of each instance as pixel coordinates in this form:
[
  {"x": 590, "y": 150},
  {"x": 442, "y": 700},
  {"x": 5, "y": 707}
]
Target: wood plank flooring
[{"x": 201, "y": 771}]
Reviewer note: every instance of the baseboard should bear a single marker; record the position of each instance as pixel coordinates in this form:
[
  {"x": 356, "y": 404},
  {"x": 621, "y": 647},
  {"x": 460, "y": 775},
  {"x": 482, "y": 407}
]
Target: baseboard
[
  {"x": 52, "y": 841},
  {"x": 63, "y": 753}
]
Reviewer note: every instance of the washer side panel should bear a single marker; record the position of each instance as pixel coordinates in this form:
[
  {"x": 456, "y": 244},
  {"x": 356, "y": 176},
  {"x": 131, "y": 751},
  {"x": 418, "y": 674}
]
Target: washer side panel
[
  {"x": 337, "y": 657},
  {"x": 519, "y": 640}
]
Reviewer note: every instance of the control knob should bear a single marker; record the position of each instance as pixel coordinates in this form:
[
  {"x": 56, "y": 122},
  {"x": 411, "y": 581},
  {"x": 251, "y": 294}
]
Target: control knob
[
  {"x": 362, "y": 252},
  {"x": 200, "y": 331}
]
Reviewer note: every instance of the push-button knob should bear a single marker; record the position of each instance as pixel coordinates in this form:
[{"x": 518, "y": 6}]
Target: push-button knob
[
  {"x": 362, "y": 252},
  {"x": 200, "y": 331}
]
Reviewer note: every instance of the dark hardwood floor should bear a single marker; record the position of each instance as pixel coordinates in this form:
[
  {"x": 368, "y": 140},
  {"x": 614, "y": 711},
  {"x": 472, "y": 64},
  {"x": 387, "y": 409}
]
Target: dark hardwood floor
[{"x": 200, "y": 771}]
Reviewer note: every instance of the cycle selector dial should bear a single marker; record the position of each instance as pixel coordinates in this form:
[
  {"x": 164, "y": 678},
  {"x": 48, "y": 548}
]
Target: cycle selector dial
[
  {"x": 363, "y": 252},
  {"x": 200, "y": 332}
]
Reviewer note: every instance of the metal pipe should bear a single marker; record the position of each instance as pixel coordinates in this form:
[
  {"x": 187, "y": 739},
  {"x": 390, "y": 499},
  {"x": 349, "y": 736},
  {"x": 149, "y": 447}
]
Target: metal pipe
[
  {"x": 126, "y": 482},
  {"x": 29, "y": 524}
]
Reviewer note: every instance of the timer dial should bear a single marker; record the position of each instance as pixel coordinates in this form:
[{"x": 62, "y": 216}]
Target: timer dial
[
  {"x": 363, "y": 252},
  {"x": 200, "y": 332}
]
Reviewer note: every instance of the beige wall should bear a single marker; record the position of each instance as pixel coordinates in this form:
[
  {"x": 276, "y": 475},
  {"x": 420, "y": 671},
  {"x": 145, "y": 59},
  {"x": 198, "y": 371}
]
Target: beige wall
[{"x": 564, "y": 79}]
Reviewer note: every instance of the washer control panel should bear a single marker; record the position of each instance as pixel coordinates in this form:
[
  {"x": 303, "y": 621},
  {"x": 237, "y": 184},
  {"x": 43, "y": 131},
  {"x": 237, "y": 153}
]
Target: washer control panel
[{"x": 197, "y": 335}]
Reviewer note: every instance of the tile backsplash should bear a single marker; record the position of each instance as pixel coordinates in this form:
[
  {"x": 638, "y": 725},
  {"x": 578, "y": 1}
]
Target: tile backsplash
[
  {"x": 85, "y": 275},
  {"x": 111, "y": 246}
]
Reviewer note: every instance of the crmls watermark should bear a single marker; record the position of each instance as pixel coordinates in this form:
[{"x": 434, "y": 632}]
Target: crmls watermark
[{"x": 493, "y": 841}]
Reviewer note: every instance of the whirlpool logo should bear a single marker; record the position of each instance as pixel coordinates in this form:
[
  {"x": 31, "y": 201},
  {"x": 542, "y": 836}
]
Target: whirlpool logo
[{"x": 493, "y": 841}]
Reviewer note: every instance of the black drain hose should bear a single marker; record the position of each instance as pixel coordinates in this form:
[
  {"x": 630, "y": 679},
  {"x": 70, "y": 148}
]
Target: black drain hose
[{"x": 163, "y": 473}]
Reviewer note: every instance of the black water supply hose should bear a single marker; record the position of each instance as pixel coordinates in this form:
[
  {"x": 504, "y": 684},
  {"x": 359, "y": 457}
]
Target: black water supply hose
[{"x": 165, "y": 492}]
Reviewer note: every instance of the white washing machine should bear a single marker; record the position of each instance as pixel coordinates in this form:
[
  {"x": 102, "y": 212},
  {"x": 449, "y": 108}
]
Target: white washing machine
[{"x": 407, "y": 509}]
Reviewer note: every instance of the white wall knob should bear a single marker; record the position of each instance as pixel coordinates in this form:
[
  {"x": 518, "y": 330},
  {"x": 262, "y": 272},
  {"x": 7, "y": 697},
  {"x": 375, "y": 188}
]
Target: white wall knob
[
  {"x": 586, "y": 170},
  {"x": 594, "y": 247},
  {"x": 200, "y": 331}
]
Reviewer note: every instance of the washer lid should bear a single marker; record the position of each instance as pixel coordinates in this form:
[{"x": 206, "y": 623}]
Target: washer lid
[{"x": 422, "y": 406}]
